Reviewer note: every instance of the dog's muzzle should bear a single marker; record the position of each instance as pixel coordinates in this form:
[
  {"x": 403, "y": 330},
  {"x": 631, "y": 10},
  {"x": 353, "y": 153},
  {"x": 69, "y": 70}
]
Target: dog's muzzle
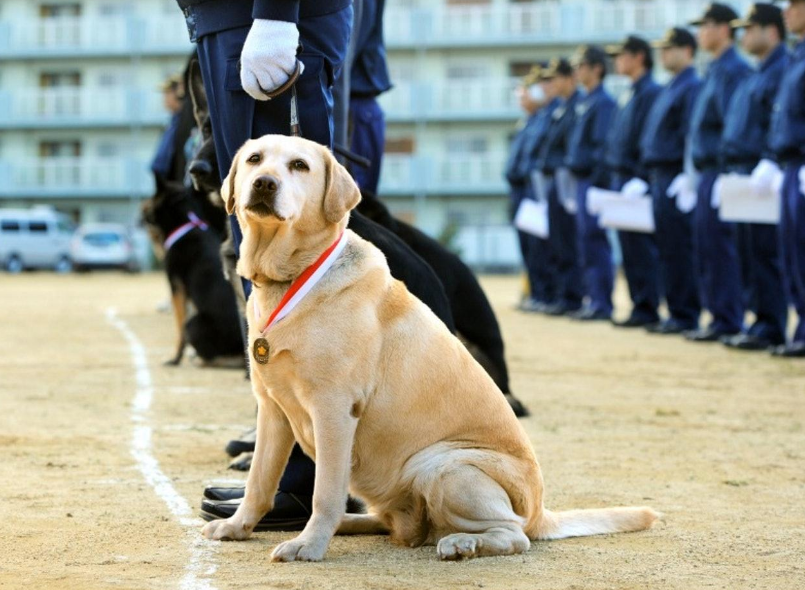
[{"x": 263, "y": 197}]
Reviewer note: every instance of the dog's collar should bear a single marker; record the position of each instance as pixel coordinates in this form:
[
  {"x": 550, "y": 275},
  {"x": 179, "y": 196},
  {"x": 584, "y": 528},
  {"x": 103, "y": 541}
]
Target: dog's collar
[
  {"x": 304, "y": 284},
  {"x": 181, "y": 231}
]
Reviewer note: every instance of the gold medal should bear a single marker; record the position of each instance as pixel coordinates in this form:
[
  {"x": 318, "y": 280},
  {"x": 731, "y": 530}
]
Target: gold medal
[{"x": 260, "y": 351}]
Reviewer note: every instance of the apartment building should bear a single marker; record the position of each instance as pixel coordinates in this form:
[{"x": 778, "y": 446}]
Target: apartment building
[
  {"x": 80, "y": 110},
  {"x": 80, "y": 107}
]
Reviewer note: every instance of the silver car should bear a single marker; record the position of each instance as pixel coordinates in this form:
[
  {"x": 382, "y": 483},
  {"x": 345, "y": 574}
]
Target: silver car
[
  {"x": 35, "y": 238},
  {"x": 103, "y": 245}
]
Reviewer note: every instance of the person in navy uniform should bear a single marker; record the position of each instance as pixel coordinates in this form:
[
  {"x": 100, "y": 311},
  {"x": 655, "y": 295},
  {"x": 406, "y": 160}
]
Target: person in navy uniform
[
  {"x": 634, "y": 59},
  {"x": 586, "y": 160},
  {"x": 662, "y": 152},
  {"x": 247, "y": 50},
  {"x": 787, "y": 141},
  {"x": 541, "y": 265},
  {"x": 745, "y": 144},
  {"x": 551, "y": 160},
  {"x": 718, "y": 266},
  {"x": 517, "y": 175},
  {"x": 368, "y": 79}
]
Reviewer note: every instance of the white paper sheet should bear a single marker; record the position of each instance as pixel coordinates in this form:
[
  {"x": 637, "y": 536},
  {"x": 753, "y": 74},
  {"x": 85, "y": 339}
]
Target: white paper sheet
[
  {"x": 532, "y": 218},
  {"x": 629, "y": 214},
  {"x": 743, "y": 201}
]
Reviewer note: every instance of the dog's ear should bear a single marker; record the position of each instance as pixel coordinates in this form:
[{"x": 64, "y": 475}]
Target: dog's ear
[
  {"x": 341, "y": 194},
  {"x": 197, "y": 93},
  {"x": 228, "y": 188}
]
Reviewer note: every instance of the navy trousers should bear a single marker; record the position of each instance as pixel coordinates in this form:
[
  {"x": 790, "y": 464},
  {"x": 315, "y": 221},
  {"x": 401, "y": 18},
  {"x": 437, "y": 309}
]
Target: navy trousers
[
  {"x": 236, "y": 118},
  {"x": 563, "y": 249},
  {"x": 641, "y": 267},
  {"x": 792, "y": 240},
  {"x": 595, "y": 255},
  {"x": 718, "y": 267},
  {"x": 536, "y": 254},
  {"x": 368, "y": 137},
  {"x": 765, "y": 270},
  {"x": 675, "y": 249}
]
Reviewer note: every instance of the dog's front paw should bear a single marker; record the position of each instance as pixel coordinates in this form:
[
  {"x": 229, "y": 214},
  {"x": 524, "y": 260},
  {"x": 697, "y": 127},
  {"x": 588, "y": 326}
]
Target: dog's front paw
[
  {"x": 226, "y": 530},
  {"x": 300, "y": 549},
  {"x": 458, "y": 546},
  {"x": 174, "y": 362}
]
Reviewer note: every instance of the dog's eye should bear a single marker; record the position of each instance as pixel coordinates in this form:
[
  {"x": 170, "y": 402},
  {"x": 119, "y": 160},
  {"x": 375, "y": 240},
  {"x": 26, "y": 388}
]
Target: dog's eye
[
  {"x": 299, "y": 165},
  {"x": 254, "y": 159}
]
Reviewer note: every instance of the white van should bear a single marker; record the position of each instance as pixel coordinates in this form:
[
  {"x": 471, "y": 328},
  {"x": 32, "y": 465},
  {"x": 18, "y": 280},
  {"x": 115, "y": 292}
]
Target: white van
[{"x": 35, "y": 238}]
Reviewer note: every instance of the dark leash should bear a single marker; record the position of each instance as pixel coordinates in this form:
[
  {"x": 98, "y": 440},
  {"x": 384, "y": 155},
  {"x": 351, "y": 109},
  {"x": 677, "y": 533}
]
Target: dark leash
[{"x": 296, "y": 128}]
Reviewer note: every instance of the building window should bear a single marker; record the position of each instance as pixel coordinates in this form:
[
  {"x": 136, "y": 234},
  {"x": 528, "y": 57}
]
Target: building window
[
  {"x": 399, "y": 145},
  {"x": 59, "y": 10},
  {"x": 59, "y": 149},
  {"x": 467, "y": 145}
]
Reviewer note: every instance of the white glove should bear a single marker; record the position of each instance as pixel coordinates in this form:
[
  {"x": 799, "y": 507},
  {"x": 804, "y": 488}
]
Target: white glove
[
  {"x": 802, "y": 181},
  {"x": 635, "y": 188},
  {"x": 595, "y": 200},
  {"x": 269, "y": 56},
  {"x": 679, "y": 184},
  {"x": 684, "y": 192},
  {"x": 715, "y": 196},
  {"x": 767, "y": 178}
]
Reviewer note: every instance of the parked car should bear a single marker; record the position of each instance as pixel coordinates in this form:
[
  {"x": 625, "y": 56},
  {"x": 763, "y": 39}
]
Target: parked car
[
  {"x": 35, "y": 238},
  {"x": 103, "y": 245}
]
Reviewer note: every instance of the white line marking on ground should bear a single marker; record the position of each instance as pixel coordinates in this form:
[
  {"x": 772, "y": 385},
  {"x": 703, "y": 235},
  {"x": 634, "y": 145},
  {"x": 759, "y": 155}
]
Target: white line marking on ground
[{"x": 202, "y": 552}]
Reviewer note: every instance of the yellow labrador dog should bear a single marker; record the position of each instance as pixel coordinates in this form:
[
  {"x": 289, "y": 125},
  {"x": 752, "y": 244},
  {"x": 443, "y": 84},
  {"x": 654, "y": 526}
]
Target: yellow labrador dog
[{"x": 374, "y": 387}]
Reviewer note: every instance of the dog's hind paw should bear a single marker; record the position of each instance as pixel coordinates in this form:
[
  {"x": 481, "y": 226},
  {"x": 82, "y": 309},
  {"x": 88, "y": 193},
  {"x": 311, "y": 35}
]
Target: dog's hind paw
[
  {"x": 458, "y": 546},
  {"x": 226, "y": 530},
  {"x": 299, "y": 549}
]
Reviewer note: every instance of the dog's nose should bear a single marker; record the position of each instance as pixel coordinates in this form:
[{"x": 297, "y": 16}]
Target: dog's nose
[
  {"x": 266, "y": 185},
  {"x": 200, "y": 168}
]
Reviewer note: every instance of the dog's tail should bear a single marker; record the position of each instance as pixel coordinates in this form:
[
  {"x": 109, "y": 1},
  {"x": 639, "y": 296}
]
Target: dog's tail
[{"x": 584, "y": 523}]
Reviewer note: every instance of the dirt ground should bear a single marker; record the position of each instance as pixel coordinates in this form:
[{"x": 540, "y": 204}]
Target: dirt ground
[{"x": 713, "y": 439}]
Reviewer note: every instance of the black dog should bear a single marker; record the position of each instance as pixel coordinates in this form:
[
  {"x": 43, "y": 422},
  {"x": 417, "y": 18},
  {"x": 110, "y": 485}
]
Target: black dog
[
  {"x": 195, "y": 274},
  {"x": 473, "y": 316}
]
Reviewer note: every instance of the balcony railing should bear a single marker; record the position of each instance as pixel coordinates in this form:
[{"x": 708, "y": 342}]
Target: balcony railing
[
  {"x": 471, "y": 174},
  {"x": 75, "y": 177},
  {"x": 87, "y": 36},
  {"x": 536, "y": 23},
  {"x": 80, "y": 107},
  {"x": 486, "y": 98}
]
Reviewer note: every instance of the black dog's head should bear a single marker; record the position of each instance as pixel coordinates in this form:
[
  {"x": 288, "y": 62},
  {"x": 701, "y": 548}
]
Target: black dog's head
[
  {"x": 204, "y": 167},
  {"x": 166, "y": 210}
]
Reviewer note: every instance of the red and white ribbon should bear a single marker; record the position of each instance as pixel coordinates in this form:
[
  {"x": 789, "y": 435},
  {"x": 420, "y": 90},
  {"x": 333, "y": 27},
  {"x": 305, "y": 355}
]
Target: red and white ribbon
[
  {"x": 304, "y": 284},
  {"x": 183, "y": 230}
]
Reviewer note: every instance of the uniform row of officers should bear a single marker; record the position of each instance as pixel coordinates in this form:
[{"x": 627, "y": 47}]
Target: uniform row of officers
[{"x": 677, "y": 139}]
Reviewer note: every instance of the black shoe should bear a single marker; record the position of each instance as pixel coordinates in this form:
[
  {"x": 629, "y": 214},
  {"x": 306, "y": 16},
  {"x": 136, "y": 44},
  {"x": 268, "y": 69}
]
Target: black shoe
[
  {"x": 635, "y": 322},
  {"x": 244, "y": 444},
  {"x": 242, "y": 462},
  {"x": 532, "y": 306},
  {"x": 291, "y": 512},
  {"x": 560, "y": 309},
  {"x": 793, "y": 350},
  {"x": 709, "y": 334},
  {"x": 221, "y": 493},
  {"x": 590, "y": 315},
  {"x": 748, "y": 342},
  {"x": 517, "y": 406},
  {"x": 668, "y": 327}
]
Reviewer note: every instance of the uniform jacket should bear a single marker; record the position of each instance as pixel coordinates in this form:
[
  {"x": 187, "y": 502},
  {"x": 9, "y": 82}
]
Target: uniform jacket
[
  {"x": 623, "y": 142},
  {"x": 710, "y": 110},
  {"x": 664, "y": 137},
  {"x": 587, "y": 142}
]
